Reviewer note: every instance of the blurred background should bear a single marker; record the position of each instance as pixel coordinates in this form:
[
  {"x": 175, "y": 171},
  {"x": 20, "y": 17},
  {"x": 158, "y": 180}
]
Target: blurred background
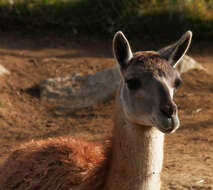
[{"x": 154, "y": 18}]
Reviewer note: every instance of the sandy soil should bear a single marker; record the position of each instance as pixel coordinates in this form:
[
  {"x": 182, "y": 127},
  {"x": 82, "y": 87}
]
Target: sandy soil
[{"x": 188, "y": 152}]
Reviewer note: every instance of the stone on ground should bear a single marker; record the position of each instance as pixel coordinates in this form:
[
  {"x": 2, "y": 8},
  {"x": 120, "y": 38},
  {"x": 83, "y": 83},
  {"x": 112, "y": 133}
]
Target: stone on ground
[
  {"x": 69, "y": 94},
  {"x": 79, "y": 91},
  {"x": 3, "y": 71}
]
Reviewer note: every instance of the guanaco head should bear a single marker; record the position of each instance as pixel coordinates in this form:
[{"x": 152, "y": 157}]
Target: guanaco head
[{"x": 149, "y": 80}]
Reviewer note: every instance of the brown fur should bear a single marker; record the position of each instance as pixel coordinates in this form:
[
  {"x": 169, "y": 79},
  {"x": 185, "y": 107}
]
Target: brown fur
[
  {"x": 150, "y": 61},
  {"x": 55, "y": 164},
  {"x": 69, "y": 164}
]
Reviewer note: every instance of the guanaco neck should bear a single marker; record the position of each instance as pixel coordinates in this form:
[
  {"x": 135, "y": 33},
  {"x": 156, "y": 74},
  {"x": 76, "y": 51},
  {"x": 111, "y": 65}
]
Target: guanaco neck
[{"x": 137, "y": 155}]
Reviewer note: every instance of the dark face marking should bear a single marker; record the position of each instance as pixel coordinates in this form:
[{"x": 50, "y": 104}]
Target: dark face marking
[
  {"x": 149, "y": 82},
  {"x": 177, "y": 82},
  {"x": 134, "y": 83}
]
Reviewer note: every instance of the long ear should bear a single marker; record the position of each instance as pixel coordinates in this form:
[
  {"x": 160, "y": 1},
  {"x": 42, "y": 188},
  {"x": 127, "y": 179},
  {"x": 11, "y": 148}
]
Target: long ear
[
  {"x": 175, "y": 52},
  {"x": 121, "y": 49}
]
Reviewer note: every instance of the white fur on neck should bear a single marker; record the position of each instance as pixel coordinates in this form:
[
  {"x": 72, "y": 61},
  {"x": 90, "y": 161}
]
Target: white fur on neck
[
  {"x": 137, "y": 158},
  {"x": 154, "y": 160}
]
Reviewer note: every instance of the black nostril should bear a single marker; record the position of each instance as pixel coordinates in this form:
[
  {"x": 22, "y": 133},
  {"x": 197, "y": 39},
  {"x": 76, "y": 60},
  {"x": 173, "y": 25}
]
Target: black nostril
[{"x": 168, "y": 110}]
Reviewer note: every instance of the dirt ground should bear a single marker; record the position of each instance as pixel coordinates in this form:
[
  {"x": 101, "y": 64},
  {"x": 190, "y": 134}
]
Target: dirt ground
[{"x": 188, "y": 163}]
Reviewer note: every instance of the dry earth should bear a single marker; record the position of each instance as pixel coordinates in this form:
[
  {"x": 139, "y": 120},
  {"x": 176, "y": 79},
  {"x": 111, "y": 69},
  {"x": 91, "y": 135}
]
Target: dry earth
[{"x": 188, "y": 153}]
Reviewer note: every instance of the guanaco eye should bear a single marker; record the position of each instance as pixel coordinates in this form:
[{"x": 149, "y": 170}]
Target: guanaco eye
[
  {"x": 178, "y": 82},
  {"x": 133, "y": 84}
]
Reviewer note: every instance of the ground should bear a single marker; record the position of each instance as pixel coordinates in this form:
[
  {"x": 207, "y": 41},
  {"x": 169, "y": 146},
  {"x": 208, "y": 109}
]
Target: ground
[{"x": 23, "y": 117}]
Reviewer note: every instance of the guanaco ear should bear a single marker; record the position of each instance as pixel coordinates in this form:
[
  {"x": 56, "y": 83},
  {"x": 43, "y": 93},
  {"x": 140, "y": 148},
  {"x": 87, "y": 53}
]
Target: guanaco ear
[
  {"x": 121, "y": 49},
  {"x": 175, "y": 52}
]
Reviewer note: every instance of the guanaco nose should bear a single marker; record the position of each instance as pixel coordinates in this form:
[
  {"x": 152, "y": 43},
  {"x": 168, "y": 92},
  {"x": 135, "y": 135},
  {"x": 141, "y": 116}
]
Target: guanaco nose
[{"x": 169, "y": 109}]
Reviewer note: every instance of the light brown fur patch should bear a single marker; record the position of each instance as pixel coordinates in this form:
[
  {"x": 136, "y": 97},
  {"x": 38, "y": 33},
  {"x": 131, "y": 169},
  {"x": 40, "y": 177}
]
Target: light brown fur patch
[{"x": 55, "y": 164}]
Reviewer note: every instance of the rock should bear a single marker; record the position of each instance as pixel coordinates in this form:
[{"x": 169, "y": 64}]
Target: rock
[
  {"x": 69, "y": 94},
  {"x": 79, "y": 91},
  {"x": 188, "y": 63},
  {"x": 3, "y": 71}
]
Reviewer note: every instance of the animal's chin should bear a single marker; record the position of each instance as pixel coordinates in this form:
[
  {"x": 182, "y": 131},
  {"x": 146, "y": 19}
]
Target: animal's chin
[{"x": 167, "y": 125}]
